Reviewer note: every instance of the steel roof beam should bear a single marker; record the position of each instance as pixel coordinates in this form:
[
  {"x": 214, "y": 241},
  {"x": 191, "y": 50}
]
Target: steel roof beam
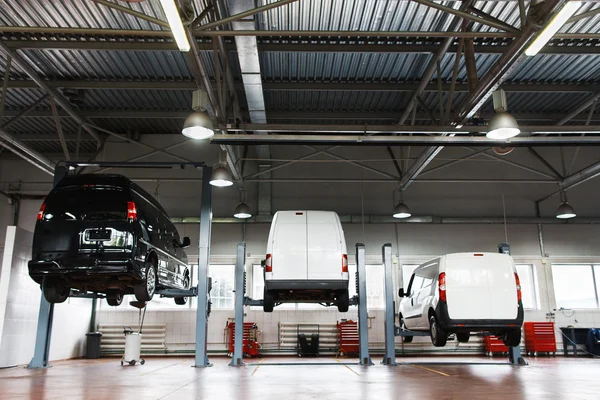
[
  {"x": 133, "y": 33},
  {"x": 541, "y": 13},
  {"x": 100, "y": 43},
  {"x": 136, "y": 14},
  {"x": 303, "y": 86},
  {"x": 367, "y": 130},
  {"x": 280, "y": 115},
  {"x": 462, "y": 141},
  {"x": 59, "y": 98},
  {"x": 494, "y": 23}
]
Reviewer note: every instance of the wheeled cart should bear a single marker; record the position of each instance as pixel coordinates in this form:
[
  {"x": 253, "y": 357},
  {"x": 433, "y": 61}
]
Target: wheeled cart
[{"x": 133, "y": 347}]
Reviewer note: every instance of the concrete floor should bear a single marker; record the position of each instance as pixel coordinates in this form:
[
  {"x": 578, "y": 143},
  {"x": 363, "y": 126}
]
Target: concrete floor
[{"x": 328, "y": 378}]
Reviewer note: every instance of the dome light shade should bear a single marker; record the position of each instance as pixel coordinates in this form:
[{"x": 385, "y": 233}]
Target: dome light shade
[
  {"x": 221, "y": 177},
  {"x": 242, "y": 211},
  {"x": 565, "y": 211},
  {"x": 198, "y": 125},
  {"x": 401, "y": 211},
  {"x": 503, "y": 126}
]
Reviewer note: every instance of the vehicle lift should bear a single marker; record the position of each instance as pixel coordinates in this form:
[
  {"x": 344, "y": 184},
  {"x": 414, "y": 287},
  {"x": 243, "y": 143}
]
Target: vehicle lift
[
  {"x": 242, "y": 300},
  {"x": 46, "y": 311},
  {"x": 391, "y": 330}
]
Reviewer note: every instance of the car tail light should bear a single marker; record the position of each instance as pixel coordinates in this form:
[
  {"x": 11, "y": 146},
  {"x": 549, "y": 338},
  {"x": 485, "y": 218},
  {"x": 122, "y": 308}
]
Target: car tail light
[
  {"x": 41, "y": 212},
  {"x": 442, "y": 286},
  {"x": 131, "y": 211},
  {"x": 344, "y": 262},
  {"x": 518, "y": 281},
  {"x": 269, "y": 263}
]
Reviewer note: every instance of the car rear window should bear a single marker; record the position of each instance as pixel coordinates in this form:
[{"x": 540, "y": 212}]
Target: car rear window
[{"x": 95, "y": 203}]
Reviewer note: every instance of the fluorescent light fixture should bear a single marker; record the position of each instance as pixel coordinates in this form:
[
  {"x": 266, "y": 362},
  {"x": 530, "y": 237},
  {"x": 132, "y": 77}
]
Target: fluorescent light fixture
[
  {"x": 401, "y": 211},
  {"x": 221, "y": 177},
  {"x": 550, "y": 30},
  {"x": 503, "y": 126},
  {"x": 174, "y": 20},
  {"x": 242, "y": 211},
  {"x": 198, "y": 126},
  {"x": 565, "y": 211}
]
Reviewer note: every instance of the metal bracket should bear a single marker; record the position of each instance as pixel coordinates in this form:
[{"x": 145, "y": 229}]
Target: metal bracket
[
  {"x": 240, "y": 263},
  {"x": 363, "y": 319}
]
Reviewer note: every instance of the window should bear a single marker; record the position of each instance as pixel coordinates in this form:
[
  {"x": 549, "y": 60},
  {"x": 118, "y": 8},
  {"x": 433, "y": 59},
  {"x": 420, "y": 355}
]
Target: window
[
  {"x": 407, "y": 271},
  {"x": 575, "y": 285},
  {"x": 375, "y": 296},
  {"x": 223, "y": 283},
  {"x": 528, "y": 286}
]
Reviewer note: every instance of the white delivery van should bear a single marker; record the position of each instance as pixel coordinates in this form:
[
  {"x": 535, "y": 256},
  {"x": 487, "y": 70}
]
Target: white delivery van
[
  {"x": 463, "y": 293},
  {"x": 306, "y": 260}
]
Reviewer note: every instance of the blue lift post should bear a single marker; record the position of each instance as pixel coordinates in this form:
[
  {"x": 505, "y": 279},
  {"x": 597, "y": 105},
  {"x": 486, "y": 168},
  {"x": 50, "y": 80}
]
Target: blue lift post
[
  {"x": 201, "y": 359},
  {"x": 514, "y": 353},
  {"x": 363, "y": 322},
  {"x": 389, "y": 357},
  {"x": 46, "y": 313},
  {"x": 240, "y": 294}
]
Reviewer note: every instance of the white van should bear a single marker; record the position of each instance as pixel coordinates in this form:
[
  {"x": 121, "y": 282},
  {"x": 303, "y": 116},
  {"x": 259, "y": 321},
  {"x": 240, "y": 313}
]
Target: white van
[
  {"x": 306, "y": 260},
  {"x": 462, "y": 293}
]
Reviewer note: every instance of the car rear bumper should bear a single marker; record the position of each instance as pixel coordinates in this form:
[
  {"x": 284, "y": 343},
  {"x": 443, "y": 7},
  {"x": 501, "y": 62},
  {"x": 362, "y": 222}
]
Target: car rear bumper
[
  {"x": 306, "y": 285},
  {"x": 84, "y": 267},
  {"x": 476, "y": 325}
]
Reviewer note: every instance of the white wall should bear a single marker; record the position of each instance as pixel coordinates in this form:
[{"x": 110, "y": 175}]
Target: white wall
[
  {"x": 19, "y": 306},
  {"x": 416, "y": 244}
]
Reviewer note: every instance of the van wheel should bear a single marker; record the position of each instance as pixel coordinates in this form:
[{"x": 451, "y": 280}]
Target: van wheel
[
  {"x": 438, "y": 335},
  {"x": 268, "y": 301},
  {"x": 463, "y": 337},
  {"x": 343, "y": 301},
  {"x": 186, "y": 284},
  {"x": 405, "y": 339},
  {"x": 114, "y": 298},
  {"x": 144, "y": 291},
  {"x": 512, "y": 338},
  {"x": 55, "y": 291}
]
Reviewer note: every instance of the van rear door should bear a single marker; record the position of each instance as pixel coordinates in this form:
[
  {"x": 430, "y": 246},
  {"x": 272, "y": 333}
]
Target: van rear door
[
  {"x": 76, "y": 219},
  {"x": 324, "y": 246},
  {"x": 289, "y": 246},
  {"x": 480, "y": 286}
]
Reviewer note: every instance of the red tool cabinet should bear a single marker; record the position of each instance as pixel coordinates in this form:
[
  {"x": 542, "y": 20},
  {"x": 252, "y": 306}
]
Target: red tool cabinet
[
  {"x": 348, "y": 337},
  {"x": 494, "y": 345},
  {"x": 539, "y": 337},
  {"x": 250, "y": 345}
]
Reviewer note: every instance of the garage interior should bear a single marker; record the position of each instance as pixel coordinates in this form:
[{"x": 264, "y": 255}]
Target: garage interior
[{"x": 374, "y": 109}]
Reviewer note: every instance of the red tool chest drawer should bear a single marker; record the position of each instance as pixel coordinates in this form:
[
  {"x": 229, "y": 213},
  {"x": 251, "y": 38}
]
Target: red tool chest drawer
[
  {"x": 539, "y": 337},
  {"x": 494, "y": 345}
]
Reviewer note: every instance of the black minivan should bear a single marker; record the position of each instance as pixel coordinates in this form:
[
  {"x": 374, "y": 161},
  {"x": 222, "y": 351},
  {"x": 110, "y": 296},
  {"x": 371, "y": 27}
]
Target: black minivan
[{"x": 103, "y": 233}]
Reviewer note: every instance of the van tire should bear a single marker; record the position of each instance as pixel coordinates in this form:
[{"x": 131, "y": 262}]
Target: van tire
[
  {"x": 183, "y": 300},
  {"x": 268, "y": 301},
  {"x": 144, "y": 291},
  {"x": 343, "y": 301},
  {"x": 463, "y": 337},
  {"x": 439, "y": 337},
  {"x": 114, "y": 298},
  {"x": 405, "y": 339},
  {"x": 55, "y": 291},
  {"x": 512, "y": 338}
]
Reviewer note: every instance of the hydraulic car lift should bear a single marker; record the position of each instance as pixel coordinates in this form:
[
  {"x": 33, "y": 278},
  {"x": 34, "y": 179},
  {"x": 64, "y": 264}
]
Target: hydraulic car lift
[
  {"x": 241, "y": 300},
  {"x": 45, "y": 316},
  {"x": 391, "y": 330}
]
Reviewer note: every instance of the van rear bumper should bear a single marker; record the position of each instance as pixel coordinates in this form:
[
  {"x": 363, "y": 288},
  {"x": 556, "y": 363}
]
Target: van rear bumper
[
  {"x": 306, "y": 285},
  {"x": 83, "y": 267},
  {"x": 476, "y": 325}
]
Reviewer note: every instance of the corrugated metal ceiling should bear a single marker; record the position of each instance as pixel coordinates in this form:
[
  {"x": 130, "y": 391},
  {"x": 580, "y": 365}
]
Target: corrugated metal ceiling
[{"x": 367, "y": 15}]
